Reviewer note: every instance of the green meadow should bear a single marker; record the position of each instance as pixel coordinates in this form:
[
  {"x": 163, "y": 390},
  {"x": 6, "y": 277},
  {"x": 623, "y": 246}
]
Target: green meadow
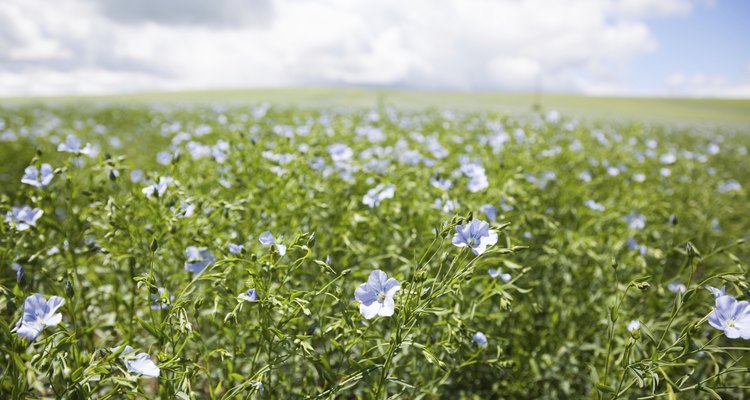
[
  {"x": 681, "y": 111},
  {"x": 377, "y": 244}
]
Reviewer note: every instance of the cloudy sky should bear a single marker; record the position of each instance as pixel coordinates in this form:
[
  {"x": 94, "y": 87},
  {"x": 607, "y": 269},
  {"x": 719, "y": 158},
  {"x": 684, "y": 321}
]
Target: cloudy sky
[{"x": 630, "y": 47}]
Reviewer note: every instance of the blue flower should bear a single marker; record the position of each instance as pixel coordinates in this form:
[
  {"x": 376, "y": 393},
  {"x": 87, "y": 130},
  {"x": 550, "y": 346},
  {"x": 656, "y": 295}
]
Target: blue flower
[
  {"x": 675, "y": 287},
  {"x": 490, "y": 211},
  {"x": 197, "y": 150},
  {"x": 251, "y": 295},
  {"x": 220, "y": 151},
  {"x": 731, "y": 316},
  {"x": 377, "y": 194},
  {"x": 73, "y": 145},
  {"x": 376, "y": 295},
  {"x": 266, "y": 238},
  {"x": 543, "y": 181},
  {"x": 136, "y": 175},
  {"x": 38, "y": 313},
  {"x": 717, "y": 292},
  {"x": 448, "y": 206},
  {"x": 158, "y": 189},
  {"x": 186, "y": 210},
  {"x": 198, "y": 259},
  {"x": 498, "y": 273},
  {"x": 633, "y": 245},
  {"x": 439, "y": 183},
  {"x": 594, "y": 205},
  {"x": 635, "y": 220},
  {"x": 340, "y": 153},
  {"x": 476, "y": 174},
  {"x": 139, "y": 363},
  {"x": 480, "y": 339},
  {"x": 437, "y": 149},
  {"x": 20, "y": 271},
  {"x": 23, "y": 218},
  {"x": 38, "y": 177},
  {"x": 730, "y": 186},
  {"x": 507, "y": 207},
  {"x": 476, "y": 235},
  {"x": 164, "y": 157},
  {"x": 235, "y": 248}
]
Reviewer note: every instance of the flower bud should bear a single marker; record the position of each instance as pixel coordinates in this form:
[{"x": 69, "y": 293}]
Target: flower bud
[
  {"x": 311, "y": 240},
  {"x": 21, "y": 276},
  {"x": 690, "y": 250},
  {"x": 69, "y": 289}
]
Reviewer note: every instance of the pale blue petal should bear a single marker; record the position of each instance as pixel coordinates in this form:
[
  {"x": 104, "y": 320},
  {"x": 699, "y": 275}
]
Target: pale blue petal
[
  {"x": 366, "y": 294},
  {"x": 266, "y": 238},
  {"x": 388, "y": 307},
  {"x": 281, "y": 249},
  {"x": 377, "y": 279},
  {"x": 391, "y": 287},
  {"x": 370, "y": 311}
]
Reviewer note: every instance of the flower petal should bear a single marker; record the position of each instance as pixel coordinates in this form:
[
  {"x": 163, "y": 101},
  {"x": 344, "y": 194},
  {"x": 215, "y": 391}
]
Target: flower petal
[
  {"x": 144, "y": 366},
  {"x": 370, "y": 311},
  {"x": 388, "y": 307},
  {"x": 391, "y": 287},
  {"x": 281, "y": 249},
  {"x": 30, "y": 331},
  {"x": 377, "y": 279},
  {"x": 266, "y": 238},
  {"x": 53, "y": 319},
  {"x": 490, "y": 239},
  {"x": 714, "y": 320},
  {"x": 54, "y": 303}
]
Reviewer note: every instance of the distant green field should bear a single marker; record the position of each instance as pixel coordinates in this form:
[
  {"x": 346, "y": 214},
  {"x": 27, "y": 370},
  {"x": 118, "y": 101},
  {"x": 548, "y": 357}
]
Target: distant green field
[{"x": 725, "y": 112}]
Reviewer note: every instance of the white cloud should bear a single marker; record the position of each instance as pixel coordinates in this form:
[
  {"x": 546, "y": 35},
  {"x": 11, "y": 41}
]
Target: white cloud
[
  {"x": 653, "y": 8},
  {"x": 705, "y": 85},
  {"x": 88, "y": 47},
  {"x": 515, "y": 73}
]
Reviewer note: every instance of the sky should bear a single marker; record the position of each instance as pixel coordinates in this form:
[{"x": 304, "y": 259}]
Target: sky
[{"x": 696, "y": 48}]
